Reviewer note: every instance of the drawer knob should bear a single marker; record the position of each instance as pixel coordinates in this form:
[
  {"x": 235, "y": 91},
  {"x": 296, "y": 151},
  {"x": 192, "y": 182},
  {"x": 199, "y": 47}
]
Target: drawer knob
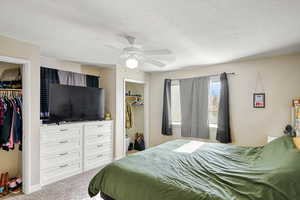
[
  {"x": 63, "y": 166},
  {"x": 63, "y": 154},
  {"x": 100, "y": 136},
  {"x": 100, "y": 145},
  {"x": 63, "y": 142},
  {"x": 63, "y": 129},
  {"x": 99, "y": 156},
  {"x": 99, "y": 126}
]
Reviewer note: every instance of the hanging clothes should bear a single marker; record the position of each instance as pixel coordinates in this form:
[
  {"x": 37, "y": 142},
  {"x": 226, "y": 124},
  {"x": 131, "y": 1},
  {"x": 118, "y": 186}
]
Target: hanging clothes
[
  {"x": 2, "y": 110},
  {"x": 19, "y": 123},
  {"x": 129, "y": 116},
  {"x": 11, "y": 131}
]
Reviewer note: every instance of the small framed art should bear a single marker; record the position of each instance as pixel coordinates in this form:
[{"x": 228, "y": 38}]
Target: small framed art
[{"x": 259, "y": 100}]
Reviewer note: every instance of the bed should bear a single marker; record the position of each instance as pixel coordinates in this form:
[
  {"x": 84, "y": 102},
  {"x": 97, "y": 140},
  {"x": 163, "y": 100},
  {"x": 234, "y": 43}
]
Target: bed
[{"x": 190, "y": 170}]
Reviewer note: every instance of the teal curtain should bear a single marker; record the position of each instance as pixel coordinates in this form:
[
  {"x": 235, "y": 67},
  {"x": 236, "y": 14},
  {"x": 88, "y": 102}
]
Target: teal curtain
[
  {"x": 92, "y": 81},
  {"x": 48, "y": 76},
  {"x": 223, "y": 131},
  {"x": 166, "y": 116}
]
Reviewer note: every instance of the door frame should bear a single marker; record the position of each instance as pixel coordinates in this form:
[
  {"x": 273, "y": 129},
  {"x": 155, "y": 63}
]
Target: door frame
[
  {"x": 26, "y": 90},
  {"x": 146, "y": 112}
]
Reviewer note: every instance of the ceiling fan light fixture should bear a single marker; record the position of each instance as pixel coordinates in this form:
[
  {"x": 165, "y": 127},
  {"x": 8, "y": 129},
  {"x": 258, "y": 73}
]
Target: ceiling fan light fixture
[{"x": 132, "y": 63}]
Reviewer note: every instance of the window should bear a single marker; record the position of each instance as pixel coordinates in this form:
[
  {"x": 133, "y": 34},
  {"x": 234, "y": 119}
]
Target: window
[
  {"x": 213, "y": 101},
  {"x": 175, "y": 103}
]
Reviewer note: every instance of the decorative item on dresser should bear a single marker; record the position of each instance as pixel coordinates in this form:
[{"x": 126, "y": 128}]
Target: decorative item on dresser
[{"x": 72, "y": 148}]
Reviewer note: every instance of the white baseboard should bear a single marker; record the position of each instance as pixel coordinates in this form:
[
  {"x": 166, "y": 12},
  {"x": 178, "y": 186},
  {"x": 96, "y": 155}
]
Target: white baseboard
[
  {"x": 118, "y": 158},
  {"x": 35, "y": 188}
]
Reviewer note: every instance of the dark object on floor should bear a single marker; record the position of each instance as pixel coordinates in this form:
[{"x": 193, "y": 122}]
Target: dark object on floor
[
  {"x": 106, "y": 197},
  {"x": 139, "y": 143},
  {"x": 130, "y": 146},
  {"x": 289, "y": 130}
]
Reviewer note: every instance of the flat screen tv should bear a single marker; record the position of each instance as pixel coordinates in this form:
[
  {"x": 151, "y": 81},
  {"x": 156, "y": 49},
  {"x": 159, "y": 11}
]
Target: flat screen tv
[{"x": 73, "y": 103}]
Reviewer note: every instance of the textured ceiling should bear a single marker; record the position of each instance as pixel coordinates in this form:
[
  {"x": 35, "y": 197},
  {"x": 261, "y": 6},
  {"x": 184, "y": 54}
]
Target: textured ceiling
[{"x": 199, "y": 32}]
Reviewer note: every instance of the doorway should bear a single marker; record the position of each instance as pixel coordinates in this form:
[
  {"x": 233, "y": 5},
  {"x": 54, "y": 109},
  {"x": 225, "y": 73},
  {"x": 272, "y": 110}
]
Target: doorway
[
  {"x": 17, "y": 162},
  {"x": 135, "y": 104}
]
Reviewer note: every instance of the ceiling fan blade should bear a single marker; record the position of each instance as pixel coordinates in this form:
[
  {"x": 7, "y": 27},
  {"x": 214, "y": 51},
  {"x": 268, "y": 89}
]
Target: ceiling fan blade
[
  {"x": 112, "y": 47},
  {"x": 157, "y": 52},
  {"x": 155, "y": 62},
  {"x": 124, "y": 56},
  {"x": 130, "y": 39}
]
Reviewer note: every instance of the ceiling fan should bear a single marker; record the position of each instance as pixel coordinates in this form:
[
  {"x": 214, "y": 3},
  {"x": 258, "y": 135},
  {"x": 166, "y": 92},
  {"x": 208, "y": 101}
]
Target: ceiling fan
[{"x": 134, "y": 55}]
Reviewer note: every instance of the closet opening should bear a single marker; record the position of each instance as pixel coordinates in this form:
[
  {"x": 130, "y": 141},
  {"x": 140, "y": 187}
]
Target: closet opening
[
  {"x": 11, "y": 129},
  {"x": 135, "y": 136}
]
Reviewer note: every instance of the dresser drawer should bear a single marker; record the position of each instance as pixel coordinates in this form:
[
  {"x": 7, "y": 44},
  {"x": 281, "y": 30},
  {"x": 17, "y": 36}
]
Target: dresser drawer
[
  {"x": 62, "y": 171},
  {"x": 61, "y": 145},
  {"x": 99, "y": 156},
  {"x": 56, "y": 159},
  {"x": 98, "y": 147},
  {"x": 95, "y": 139},
  {"x": 98, "y": 159},
  {"x": 100, "y": 128},
  {"x": 59, "y": 134},
  {"x": 98, "y": 132},
  {"x": 61, "y": 129}
]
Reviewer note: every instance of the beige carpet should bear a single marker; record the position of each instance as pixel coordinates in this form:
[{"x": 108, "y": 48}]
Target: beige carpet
[{"x": 74, "y": 188}]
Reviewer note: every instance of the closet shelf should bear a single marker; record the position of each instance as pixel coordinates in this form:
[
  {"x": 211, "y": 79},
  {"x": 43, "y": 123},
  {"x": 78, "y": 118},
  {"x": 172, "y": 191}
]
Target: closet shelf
[
  {"x": 138, "y": 103},
  {"x": 134, "y": 98}
]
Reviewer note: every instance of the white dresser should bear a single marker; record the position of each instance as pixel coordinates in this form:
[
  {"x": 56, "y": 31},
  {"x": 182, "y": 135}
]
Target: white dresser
[
  {"x": 72, "y": 148},
  {"x": 98, "y": 144}
]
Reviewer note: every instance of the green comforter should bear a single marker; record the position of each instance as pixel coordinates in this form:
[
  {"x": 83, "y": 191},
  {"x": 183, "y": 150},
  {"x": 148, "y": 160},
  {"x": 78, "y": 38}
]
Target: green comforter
[{"x": 211, "y": 172}]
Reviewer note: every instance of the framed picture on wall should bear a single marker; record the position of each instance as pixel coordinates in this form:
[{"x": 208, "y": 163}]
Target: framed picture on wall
[{"x": 259, "y": 100}]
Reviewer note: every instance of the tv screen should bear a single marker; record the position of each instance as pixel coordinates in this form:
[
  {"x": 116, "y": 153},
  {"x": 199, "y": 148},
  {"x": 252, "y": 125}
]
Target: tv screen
[{"x": 73, "y": 103}]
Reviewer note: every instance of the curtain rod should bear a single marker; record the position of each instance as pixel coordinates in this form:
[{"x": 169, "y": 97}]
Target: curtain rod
[{"x": 228, "y": 73}]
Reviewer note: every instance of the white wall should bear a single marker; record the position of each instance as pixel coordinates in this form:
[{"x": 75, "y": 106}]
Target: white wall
[
  {"x": 280, "y": 76},
  {"x": 123, "y": 73},
  {"x": 60, "y": 64}
]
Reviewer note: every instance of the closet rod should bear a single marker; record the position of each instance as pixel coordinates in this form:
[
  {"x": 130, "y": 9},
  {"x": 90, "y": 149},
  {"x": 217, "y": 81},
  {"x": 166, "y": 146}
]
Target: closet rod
[{"x": 3, "y": 89}]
